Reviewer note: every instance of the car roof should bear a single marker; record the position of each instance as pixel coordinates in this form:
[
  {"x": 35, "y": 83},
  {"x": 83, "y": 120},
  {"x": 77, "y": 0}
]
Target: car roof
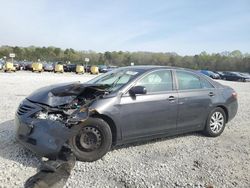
[{"x": 155, "y": 67}]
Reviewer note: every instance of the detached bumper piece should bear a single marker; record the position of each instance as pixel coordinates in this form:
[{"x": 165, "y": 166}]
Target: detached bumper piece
[{"x": 53, "y": 173}]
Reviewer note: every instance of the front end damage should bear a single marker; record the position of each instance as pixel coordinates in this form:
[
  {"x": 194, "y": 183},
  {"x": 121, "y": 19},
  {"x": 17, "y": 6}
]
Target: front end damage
[{"x": 48, "y": 118}]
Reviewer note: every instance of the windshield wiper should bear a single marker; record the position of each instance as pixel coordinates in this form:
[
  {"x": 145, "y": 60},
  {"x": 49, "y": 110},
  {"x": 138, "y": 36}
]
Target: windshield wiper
[{"x": 115, "y": 82}]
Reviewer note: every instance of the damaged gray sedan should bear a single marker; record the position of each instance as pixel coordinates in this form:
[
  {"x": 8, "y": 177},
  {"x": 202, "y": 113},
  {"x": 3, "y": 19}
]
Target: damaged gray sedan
[{"x": 126, "y": 105}]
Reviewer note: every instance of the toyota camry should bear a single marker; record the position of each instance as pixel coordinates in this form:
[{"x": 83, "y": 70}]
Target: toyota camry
[{"x": 126, "y": 105}]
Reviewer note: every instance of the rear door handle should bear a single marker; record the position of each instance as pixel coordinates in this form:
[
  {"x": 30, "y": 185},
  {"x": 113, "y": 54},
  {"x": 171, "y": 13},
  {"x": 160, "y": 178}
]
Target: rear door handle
[
  {"x": 211, "y": 94},
  {"x": 171, "y": 98}
]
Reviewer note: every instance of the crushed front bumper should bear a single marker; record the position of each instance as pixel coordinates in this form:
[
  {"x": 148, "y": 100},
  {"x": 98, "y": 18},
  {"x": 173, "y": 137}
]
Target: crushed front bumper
[{"x": 44, "y": 137}]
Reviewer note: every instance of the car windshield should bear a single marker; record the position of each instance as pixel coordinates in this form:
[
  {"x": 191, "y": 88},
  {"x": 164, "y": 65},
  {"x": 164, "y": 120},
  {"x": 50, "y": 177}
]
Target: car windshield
[
  {"x": 236, "y": 73},
  {"x": 210, "y": 72},
  {"x": 245, "y": 74},
  {"x": 103, "y": 66},
  {"x": 115, "y": 80}
]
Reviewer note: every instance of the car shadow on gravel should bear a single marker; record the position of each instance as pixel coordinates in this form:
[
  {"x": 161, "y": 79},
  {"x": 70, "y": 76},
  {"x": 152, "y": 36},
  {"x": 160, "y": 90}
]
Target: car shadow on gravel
[
  {"x": 155, "y": 140},
  {"x": 10, "y": 149}
]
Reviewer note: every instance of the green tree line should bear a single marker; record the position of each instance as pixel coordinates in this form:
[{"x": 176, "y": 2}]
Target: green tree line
[{"x": 232, "y": 61}]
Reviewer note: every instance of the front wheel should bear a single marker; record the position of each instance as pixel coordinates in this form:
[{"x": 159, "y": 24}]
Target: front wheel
[
  {"x": 93, "y": 141},
  {"x": 216, "y": 122}
]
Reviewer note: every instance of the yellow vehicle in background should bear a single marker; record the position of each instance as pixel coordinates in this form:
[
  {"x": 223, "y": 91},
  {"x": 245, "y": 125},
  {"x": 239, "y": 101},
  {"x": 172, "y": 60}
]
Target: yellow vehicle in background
[
  {"x": 80, "y": 69},
  {"x": 9, "y": 67},
  {"x": 58, "y": 68},
  {"x": 37, "y": 67},
  {"x": 94, "y": 70}
]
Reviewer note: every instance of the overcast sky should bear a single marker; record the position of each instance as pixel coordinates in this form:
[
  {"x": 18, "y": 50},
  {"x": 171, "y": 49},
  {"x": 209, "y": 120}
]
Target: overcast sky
[{"x": 182, "y": 26}]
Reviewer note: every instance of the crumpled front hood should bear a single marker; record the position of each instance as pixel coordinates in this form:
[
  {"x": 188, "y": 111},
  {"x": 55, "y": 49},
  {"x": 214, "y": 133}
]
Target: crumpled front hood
[
  {"x": 62, "y": 94},
  {"x": 56, "y": 95}
]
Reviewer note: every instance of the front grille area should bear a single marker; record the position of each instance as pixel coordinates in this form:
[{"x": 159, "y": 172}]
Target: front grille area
[{"x": 23, "y": 109}]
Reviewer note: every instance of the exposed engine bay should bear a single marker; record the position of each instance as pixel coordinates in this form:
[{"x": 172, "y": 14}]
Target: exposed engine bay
[{"x": 73, "y": 100}]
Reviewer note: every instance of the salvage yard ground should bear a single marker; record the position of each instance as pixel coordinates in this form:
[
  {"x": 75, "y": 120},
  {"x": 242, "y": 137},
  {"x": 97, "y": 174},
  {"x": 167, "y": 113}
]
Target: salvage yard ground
[{"x": 190, "y": 160}]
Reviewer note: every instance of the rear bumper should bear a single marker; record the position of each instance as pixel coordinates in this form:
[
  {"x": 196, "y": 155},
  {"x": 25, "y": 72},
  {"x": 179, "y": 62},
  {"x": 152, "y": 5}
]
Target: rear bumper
[{"x": 232, "y": 110}]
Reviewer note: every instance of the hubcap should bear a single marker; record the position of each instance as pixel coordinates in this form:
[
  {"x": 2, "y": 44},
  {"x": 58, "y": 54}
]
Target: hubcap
[
  {"x": 216, "y": 122},
  {"x": 89, "y": 139}
]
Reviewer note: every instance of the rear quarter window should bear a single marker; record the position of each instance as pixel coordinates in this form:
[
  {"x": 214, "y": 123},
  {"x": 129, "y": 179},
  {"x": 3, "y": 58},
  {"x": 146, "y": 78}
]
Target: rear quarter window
[{"x": 206, "y": 84}]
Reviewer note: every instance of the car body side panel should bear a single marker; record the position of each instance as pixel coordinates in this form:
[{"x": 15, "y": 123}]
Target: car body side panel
[
  {"x": 194, "y": 107},
  {"x": 109, "y": 107},
  {"x": 148, "y": 114}
]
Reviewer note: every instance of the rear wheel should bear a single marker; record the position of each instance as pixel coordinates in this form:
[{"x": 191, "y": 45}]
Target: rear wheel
[
  {"x": 93, "y": 141},
  {"x": 216, "y": 122}
]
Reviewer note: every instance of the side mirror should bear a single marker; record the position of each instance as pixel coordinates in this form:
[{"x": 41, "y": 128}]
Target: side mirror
[{"x": 137, "y": 90}]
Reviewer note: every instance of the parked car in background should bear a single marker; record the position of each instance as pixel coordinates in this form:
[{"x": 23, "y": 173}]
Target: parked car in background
[
  {"x": 127, "y": 105},
  {"x": 69, "y": 68},
  {"x": 245, "y": 74},
  {"x": 210, "y": 74},
  {"x": 235, "y": 76},
  {"x": 220, "y": 73},
  {"x": 21, "y": 65},
  {"x": 217, "y": 76},
  {"x": 17, "y": 65},
  {"x": 110, "y": 68},
  {"x": 103, "y": 68},
  {"x": 87, "y": 68},
  {"x": 48, "y": 67},
  {"x": 28, "y": 66}
]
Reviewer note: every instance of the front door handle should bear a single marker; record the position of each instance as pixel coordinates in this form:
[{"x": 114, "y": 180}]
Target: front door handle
[
  {"x": 171, "y": 98},
  {"x": 211, "y": 94}
]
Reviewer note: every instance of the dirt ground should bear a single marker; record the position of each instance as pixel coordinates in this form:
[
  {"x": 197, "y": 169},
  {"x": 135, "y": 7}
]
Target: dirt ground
[{"x": 190, "y": 160}]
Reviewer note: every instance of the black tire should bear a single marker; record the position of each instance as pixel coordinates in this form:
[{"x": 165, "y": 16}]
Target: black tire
[
  {"x": 104, "y": 134},
  {"x": 208, "y": 129}
]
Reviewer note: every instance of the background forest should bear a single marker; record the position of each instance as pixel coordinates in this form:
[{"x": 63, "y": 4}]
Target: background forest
[{"x": 231, "y": 61}]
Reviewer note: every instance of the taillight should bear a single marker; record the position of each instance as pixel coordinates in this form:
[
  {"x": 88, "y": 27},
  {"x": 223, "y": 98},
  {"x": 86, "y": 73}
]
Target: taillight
[{"x": 234, "y": 94}]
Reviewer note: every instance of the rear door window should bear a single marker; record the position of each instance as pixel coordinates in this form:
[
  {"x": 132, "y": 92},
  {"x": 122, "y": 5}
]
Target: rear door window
[{"x": 188, "y": 81}]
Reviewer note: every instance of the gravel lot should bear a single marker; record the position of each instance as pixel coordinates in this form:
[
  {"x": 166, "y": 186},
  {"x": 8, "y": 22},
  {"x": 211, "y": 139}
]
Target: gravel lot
[{"x": 190, "y": 160}]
